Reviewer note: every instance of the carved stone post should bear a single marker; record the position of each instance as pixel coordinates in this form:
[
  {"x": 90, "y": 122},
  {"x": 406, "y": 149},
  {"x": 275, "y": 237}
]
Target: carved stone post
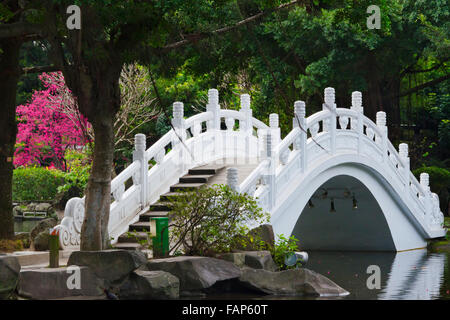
[
  {"x": 233, "y": 179},
  {"x": 330, "y": 124},
  {"x": 403, "y": 151},
  {"x": 139, "y": 155},
  {"x": 381, "y": 124},
  {"x": 425, "y": 183},
  {"x": 299, "y": 121},
  {"x": 213, "y": 125},
  {"x": 180, "y": 132},
  {"x": 359, "y": 125},
  {"x": 274, "y": 129},
  {"x": 246, "y": 126},
  {"x": 269, "y": 177}
]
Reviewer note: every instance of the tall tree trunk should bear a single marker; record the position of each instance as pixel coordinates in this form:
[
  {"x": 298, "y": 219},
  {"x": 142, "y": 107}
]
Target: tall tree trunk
[
  {"x": 9, "y": 76},
  {"x": 98, "y": 96}
]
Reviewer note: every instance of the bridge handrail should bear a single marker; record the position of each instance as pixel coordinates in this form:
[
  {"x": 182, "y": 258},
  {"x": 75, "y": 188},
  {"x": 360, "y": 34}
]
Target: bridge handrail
[
  {"x": 250, "y": 183},
  {"x": 160, "y": 144}
]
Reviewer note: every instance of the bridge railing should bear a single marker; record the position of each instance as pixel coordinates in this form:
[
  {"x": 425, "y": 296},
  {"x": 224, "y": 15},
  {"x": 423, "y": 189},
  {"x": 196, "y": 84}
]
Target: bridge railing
[
  {"x": 339, "y": 130},
  {"x": 192, "y": 142}
]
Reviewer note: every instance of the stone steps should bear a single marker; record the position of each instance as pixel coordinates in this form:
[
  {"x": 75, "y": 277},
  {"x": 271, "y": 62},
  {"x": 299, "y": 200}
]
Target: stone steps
[{"x": 195, "y": 178}]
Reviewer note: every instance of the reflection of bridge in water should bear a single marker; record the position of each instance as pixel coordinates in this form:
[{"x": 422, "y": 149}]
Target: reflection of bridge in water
[
  {"x": 334, "y": 158},
  {"x": 409, "y": 275}
]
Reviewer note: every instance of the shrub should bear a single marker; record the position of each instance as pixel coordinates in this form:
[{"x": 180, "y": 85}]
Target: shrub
[
  {"x": 439, "y": 183},
  {"x": 209, "y": 220},
  {"x": 11, "y": 245},
  {"x": 282, "y": 248},
  {"x": 78, "y": 170},
  {"x": 35, "y": 184}
]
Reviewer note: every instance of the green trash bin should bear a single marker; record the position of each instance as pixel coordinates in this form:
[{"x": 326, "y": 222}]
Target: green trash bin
[{"x": 159, "y": 227}]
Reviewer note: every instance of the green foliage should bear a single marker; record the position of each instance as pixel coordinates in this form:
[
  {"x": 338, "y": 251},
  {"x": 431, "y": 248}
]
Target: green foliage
[
  {"x": 79, "y": 167},
  {"x": 210, "y": 220},
  {"x": 282, "y": 248},
  {"x": 35, "y": 184},
  {"x": 439, "y": 177}
]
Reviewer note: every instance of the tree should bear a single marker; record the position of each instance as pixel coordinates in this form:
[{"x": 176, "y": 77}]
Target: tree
[{"x": 48, "y": 125}]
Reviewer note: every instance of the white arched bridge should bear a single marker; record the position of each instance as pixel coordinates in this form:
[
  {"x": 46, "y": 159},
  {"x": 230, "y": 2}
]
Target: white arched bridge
[{"x": 335, "y": 181}]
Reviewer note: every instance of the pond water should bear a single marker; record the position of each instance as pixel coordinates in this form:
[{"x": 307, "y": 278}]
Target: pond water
[
  {"x": 24, "y": 225},
  {"x": 410, "y": 275}
]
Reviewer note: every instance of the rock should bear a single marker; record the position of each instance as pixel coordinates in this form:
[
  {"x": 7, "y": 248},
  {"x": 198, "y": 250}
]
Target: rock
[
  {"x": 196, "y": 273},
  {"x": 56, "y": 283},
  {"x": 111, "y": 265},
  {"x": 252, "y": 259},
  {"x": 41, "y": 241},
  {"x": 252, "y": 241},
  {"x": 260, "y": 260},
  {"x": 9, "y": 275},
  {"x": 158, "y": 285},
  {"x": 43, "y": 207},
  {"x": 238, "y": 258},
  {"x": 24, "y": 237},
  {"x": 290, "y": 282},
  {"x": 43, "y": 225},
  {"x": 18, "y": 211}
]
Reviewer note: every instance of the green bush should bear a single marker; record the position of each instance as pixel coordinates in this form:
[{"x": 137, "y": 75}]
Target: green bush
[
  {"x": 439, "y": 183},
  {"x": 78, "y": 170},
  {"x": 36, "y": 184},
  {"x": 282, "y": 248},
  {"x": 210, "y": 220}
]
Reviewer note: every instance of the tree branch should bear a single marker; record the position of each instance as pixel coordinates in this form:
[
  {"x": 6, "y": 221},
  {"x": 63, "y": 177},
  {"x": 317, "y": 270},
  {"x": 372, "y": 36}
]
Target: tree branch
[
  {"x": 198, "y": 36},
  {"x": 40, "y": 69},
  {"x": 424, "y": 85},
  {"x": 18, "y": 29}
]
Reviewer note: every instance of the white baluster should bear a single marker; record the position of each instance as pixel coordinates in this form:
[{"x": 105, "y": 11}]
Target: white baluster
[
  {"x": 214, "y": 125},
  {"x": 403, "y": 151},
  {"x": 427, "y": 201},
  {"x": 300, "y": 143},
  {"x": 229, "y": 122},
  {"x": 330, "y": 123},
  {"x": 381, "y": 124},
  {"x": 233, "y": 179},
  {"x": 139, "y": 155},
  {"x": 178, "y": 123},
  {"x": 359, "y": 126},
  {"x": 343, "y": 122},
  {"x": 246, "y": 125}
]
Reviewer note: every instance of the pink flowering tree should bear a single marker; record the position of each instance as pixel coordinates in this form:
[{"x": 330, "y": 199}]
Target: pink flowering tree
[{"x": 48, "y": 125}]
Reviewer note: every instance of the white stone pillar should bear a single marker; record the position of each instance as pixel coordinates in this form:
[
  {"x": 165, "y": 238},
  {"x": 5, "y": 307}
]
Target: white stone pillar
[
  {"x": 403, "y": 152},
  {"x": 299, "y": 121},
  {"x": 381, "y": 124},
  {"x": 359, "y": 125},
  {"x": 330, "y": 124},
  {"x": 142, "y": 177},
  {"x": 233, "y": 179},
  {"x": 180, "y": 133},
  {"x": 246, "y": 126}
]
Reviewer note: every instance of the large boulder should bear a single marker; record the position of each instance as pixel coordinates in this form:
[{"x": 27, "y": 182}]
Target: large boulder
[
  {"x": 158, "y": 285},
  {"x": 290, "y": 282},
  {"x": 252, "y": 259},
  {"x": 43, "y": 225},
  {"x": 43, "y": 207},
  {"x": 196, "y": 273},
  {"x": 57, "y": 283},
  {"x": 9, "y": 275},
  {"x": 111, "y": 265},
  {"x": 40, "y": 243}
]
